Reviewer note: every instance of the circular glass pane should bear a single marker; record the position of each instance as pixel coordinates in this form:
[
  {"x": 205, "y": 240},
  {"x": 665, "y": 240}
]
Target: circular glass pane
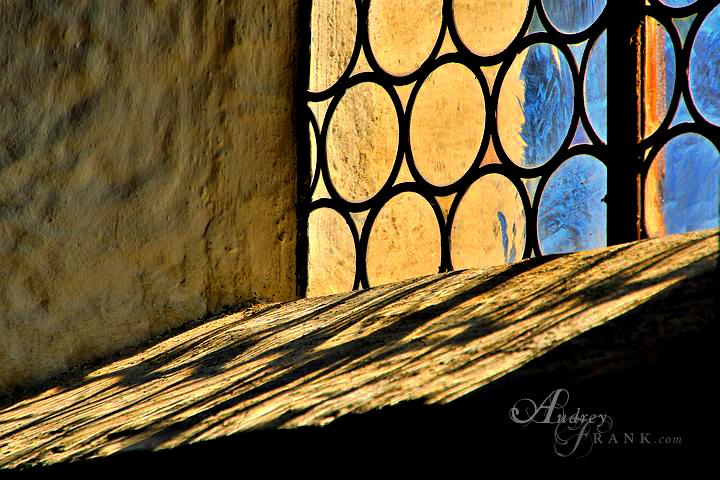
[
  {"x": 682, "y": 189},
  {"x": 535, "y": 105},
  {"x": 573, "y": 17},
  {"x": 447, "y": 124},
  {"x": 704, "y": 74},
  {"x": 595, "y": 84},
  {"x": 313, "y": 153},
  {"x": 332, "y": 40},
  {"x": 403, "y": 33},
  {"x": 572, "y": 215},
  {"x": 487, "y": 28},
  {"x": 678, "y": 3},
  {"x": 362, "y": 141},
  {"x": 404, "y": 241},
  {"x": 331, "y": 253},
  {"x": 489, "y": 224}
]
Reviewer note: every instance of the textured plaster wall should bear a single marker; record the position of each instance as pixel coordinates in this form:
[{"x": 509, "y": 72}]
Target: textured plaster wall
[{"x": 147, "y": 171}]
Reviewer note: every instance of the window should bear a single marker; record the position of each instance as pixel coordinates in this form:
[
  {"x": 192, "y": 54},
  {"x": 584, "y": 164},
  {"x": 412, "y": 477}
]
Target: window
[{"x": 470, "y": 133}]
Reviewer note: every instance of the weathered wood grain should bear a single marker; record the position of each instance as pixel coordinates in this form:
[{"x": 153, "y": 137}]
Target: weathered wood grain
[{"x": 434, "y": 339}]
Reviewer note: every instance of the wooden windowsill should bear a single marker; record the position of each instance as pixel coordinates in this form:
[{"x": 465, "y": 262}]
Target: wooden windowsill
[{"x": 440, "y": 339}]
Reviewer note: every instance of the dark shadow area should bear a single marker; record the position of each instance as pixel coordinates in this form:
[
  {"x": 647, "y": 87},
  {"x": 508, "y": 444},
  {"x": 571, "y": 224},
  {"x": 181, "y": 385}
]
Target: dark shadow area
[
  {"x": 474, "y": 432},
  {"x": 302, "y": 362},
  {"x": 649, "y": 378}
]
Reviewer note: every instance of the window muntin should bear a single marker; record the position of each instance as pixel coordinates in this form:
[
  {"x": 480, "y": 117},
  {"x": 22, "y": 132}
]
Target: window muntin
[{"x": 538, "y": 92}]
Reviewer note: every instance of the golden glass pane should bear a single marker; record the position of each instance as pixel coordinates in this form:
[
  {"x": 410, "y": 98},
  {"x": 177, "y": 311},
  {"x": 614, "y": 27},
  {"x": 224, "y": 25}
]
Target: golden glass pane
[
  {"x": 332, "y": 40},
  {"x": 404, "y": 241},
  {"x": 313, "y": 152},
  {"x": 447, "y": 124},
  {"x": 403, "y": 33},
  {"x": 489, "y": 224},
  {"x": 331, "y": 253},
  {"x": 487, "y": 27},
  {"x": 362, "y": 141}
]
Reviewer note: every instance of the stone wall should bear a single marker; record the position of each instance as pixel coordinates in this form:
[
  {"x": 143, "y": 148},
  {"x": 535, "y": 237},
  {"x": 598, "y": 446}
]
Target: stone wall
[{"x": 147, "y": 171}]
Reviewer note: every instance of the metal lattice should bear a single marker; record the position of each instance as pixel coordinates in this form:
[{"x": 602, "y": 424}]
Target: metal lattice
[{"x": 536, "y": 29}]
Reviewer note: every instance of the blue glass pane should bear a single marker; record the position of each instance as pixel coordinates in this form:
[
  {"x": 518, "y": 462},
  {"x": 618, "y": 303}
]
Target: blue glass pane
[
  {"x": 580, "y": 137},
  {"x": 596, "y": 87},
  {"x": 572, "y": 17},
  {"x": 678, "y": 3},
  {"x": 572, "y": 215},
  {"x": 691, "y": 184},
  {"x": 704, "y": 75},
  {"x": 682, "y": 115},
  {"x": 578, "y": 50},
  {"x": 548, "y": 103},
  {"x": 683, "y": 26},
  {"x": 535, "y": 24}
]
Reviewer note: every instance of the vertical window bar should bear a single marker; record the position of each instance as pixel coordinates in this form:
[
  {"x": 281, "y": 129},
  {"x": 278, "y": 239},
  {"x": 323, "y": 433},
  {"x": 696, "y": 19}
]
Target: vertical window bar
[
  {"x": 625, "y": 121},
  {"x": 302, "y": 121}
]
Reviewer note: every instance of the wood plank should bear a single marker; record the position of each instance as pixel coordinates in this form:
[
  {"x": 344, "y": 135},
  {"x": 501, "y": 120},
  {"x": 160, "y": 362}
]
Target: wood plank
[{"x": 432, "y": 340}]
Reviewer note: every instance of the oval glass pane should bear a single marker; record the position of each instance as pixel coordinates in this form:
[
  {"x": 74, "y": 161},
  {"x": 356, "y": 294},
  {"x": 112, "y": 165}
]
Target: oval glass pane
[
  {"x": 447, "y": 124},
  {"x": 572, "y": 215},
  {"x": 489, "y": 224},
  {"x": 404, "y": 241},
  {"x": 362, "y": 141},
  {"x": 659, "y": 74},
  {"x": 678, "y": 3},
  {"x": 682, "y": 190},
  {"x": 331, "y": 253},
  {"x": 535, "y": 105},
  {"x": 332, "y": 40},
  {"x": 704, "y": 73},
  {"x": 313, "y": 153},
  {"x": 487, "y": 28},
  {"x": 573, "y": 17},
  {"x": 403, "y": 33},
  {"x": 595, "y": 85}
]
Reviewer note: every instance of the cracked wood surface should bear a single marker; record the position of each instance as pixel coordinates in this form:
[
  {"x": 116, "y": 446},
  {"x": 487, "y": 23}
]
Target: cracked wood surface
[{"x": 308, "y": 362}]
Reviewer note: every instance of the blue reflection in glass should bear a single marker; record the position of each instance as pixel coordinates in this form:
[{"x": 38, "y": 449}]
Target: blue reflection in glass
[
  {"x": 682, "y": 115},
  {"x": 704, "y": 74},
  {"x": 572, "y": 215},
  {"x": 572, "y": 17},
  {"x": 535, "y": 24},
  {"x": 596, "y": 87},
  {"x": 578, "y": 49},
  {"x": 691, "y": 187},
  {"x": 580, "y": 137},
  {"x": 683, "y": 26},
  {"x": 678, "y": 3},
  {"x": 548, "y": 102}
]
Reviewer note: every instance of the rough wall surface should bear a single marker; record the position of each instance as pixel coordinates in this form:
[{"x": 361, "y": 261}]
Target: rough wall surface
[{"x": 147, "y": 171}]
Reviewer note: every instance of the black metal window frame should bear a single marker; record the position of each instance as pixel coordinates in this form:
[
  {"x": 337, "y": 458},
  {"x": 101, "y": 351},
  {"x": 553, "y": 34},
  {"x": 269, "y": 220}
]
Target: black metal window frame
[{"x": 624, "y": 153}]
